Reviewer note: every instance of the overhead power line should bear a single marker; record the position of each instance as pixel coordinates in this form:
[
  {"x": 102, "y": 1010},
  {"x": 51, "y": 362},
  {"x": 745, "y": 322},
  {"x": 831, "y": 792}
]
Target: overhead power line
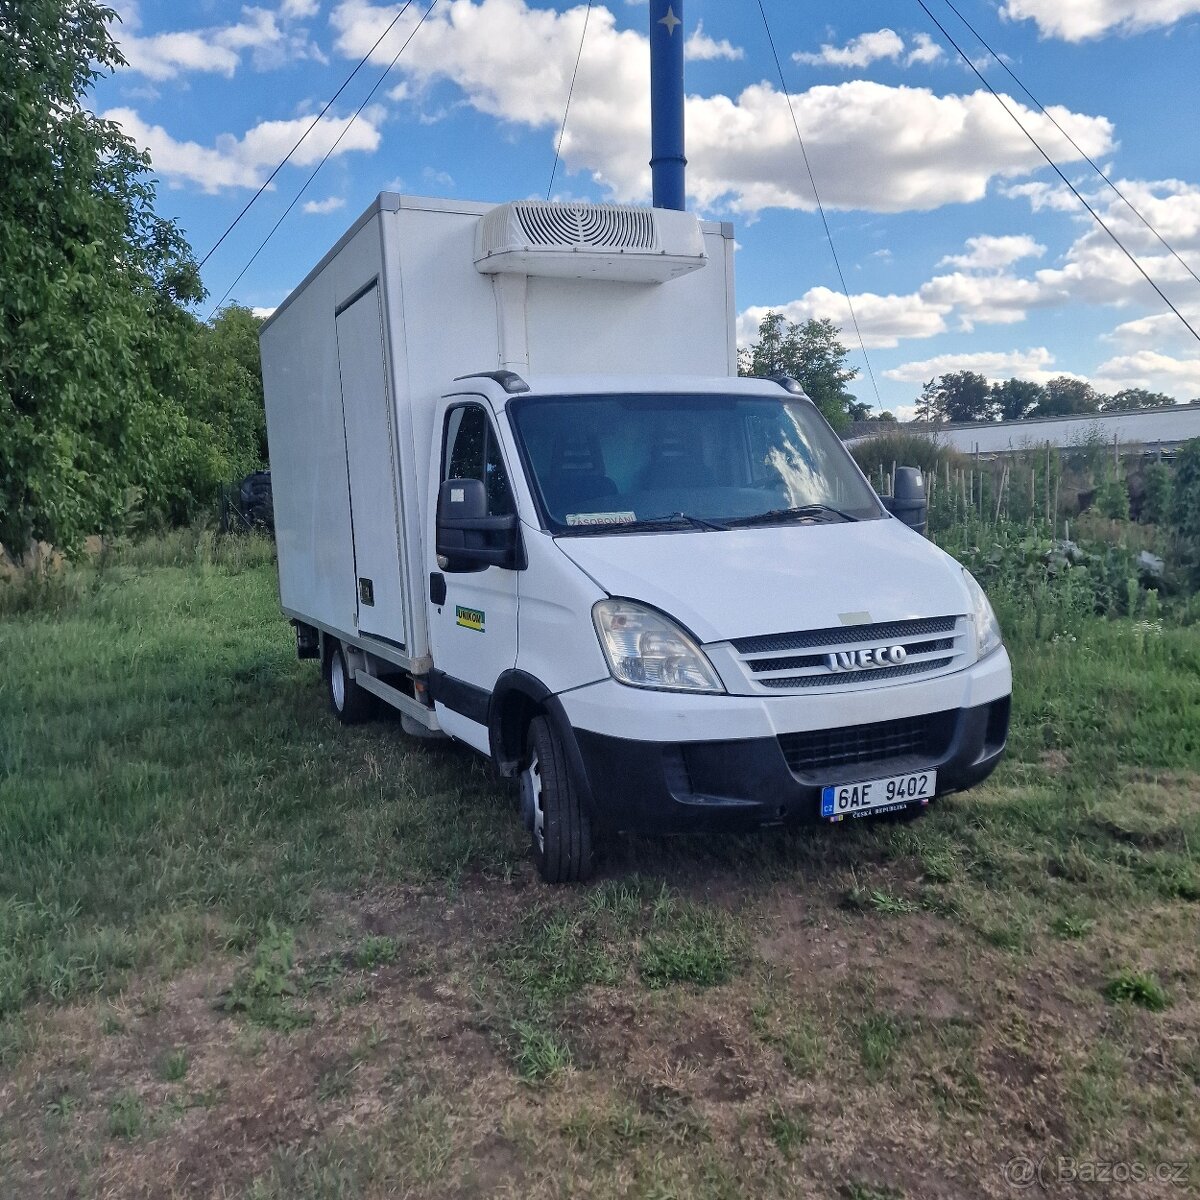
[
  {"x": 325, "y": 158},
  {"x": 1087, "y": 158},
  {"x": 1059, "y": 172},
  {"x": 820, "y": 207},
  {"x": 299, "y": 141},
  {"x": 570, "y": 92}
]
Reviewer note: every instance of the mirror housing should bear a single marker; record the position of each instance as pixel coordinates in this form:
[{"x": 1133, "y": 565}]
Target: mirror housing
[
  {"x": 908, "y": 502},
  {"x": 467, "y": 538}
]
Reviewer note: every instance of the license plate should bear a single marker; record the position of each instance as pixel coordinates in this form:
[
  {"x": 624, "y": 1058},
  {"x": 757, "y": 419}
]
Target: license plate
[{"x": 877, "y": 795}]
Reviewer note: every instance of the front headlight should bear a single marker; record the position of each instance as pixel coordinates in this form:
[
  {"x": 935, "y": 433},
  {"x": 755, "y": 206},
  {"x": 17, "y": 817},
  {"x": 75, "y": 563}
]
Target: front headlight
[
  {"x": 987, "y": 628},
  {"x": 646, "y": 649}
]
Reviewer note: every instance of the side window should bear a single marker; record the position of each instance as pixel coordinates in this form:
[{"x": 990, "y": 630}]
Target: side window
[{"x": 472, "y": 452}]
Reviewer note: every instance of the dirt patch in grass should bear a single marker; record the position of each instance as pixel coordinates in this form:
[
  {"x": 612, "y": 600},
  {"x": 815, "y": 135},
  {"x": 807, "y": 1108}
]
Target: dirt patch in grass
[{"x": 960, "y": 1055}]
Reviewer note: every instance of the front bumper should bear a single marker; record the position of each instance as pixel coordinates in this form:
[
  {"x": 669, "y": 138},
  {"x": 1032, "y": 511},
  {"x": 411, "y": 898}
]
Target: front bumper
[
  {"x": 737, "y": 773},
  {"x": 657, "y": 787}
]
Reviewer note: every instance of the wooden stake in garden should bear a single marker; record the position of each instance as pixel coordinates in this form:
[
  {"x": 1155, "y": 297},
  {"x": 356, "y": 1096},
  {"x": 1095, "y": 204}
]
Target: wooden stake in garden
[{"x": 1047, "y": 481}]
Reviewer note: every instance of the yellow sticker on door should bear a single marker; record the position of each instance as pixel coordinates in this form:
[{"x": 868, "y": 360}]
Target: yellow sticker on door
[{"x": 469, "y": 618}]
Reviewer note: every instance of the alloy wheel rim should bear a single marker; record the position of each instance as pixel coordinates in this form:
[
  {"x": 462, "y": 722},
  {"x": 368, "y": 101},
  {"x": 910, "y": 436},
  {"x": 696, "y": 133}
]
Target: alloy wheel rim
[
  {"x": 338, "y": 682},
  {"x": 533, "y": 779}
]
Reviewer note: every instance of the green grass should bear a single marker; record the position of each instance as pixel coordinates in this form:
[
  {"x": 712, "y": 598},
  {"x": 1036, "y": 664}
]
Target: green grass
[
  {"x": 174, "y": 1067},
  {"x": 126, "y": 1115},
  {"x": 789, "y": 1129},
  {"x": 170, "y": 782},
  {"x": 1137, "y": 987},
  {"x": 375, "y": 951},
  {"x": 709, "y": 1019}
]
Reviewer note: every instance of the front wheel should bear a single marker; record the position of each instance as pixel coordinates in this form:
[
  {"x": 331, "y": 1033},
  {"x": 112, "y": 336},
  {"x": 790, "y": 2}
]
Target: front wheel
[{"x": 561, "y": 830}]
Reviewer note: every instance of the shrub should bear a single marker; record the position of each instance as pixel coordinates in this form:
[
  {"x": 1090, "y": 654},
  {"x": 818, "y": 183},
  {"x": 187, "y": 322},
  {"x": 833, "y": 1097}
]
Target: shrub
[
  {"x": 1156, "y": 494},
  {"x": 881, "y": 451},
  {"x": 1112, "y": 498}
]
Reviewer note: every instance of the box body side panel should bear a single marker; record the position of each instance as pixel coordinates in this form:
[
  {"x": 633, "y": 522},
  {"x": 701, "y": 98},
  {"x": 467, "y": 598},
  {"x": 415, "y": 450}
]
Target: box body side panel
[{"x": 307, "y": 440}]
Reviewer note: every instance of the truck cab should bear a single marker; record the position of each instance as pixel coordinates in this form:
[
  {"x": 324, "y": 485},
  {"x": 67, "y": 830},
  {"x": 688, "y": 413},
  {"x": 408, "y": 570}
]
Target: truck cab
[{"x": 715, "y": 619}]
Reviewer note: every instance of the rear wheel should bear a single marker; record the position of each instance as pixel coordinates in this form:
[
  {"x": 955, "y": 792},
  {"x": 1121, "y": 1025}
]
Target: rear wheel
[
  {"x": 561, "y": 831},
  {"x": 350, "y": 703}
]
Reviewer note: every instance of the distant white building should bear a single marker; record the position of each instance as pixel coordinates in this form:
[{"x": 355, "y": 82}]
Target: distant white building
[{"x": 1154, "y": 429}]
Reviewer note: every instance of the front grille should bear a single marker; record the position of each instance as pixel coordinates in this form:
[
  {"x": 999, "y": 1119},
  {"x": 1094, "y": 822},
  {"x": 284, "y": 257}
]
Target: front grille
[
  {"x": 818, "y": 660},
  {"x": 830, "y": 658},
  {"x": 925, "y": 737},
  {"x": 843, "y": 677},
  {"x": 889, "y": 631}
]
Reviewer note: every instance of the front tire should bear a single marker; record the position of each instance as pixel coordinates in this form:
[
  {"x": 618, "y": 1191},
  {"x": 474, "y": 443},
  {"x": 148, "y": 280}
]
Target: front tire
[
  {"x": 560, "y": 828},
  {"x": 350, "y": 703}
]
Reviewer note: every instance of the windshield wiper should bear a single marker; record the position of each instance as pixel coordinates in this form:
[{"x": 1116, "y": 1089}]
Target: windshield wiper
[
  {"x": 799, "y": 513},
  {"x": 677, "y": 518}
]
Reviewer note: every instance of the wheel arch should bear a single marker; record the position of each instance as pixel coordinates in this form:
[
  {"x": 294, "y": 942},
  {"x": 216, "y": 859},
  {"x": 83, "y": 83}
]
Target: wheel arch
[{"x": 516, "y": 699}]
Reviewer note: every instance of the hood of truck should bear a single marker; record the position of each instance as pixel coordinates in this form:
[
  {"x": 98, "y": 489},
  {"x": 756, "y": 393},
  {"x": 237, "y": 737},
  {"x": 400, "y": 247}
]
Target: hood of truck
[{"x": 779, "y": 579}]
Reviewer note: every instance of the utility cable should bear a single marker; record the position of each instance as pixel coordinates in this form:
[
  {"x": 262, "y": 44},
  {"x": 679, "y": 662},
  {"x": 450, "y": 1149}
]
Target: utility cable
[
  {"x": 1087, "y": 158},
  {"x": 820, "y": 207},
  {"x": 315, "y": 121},
  {"x": 1059, "y": 172},
  {"x": 570, "y": 92},
  {"x": 304, "y": 187}
]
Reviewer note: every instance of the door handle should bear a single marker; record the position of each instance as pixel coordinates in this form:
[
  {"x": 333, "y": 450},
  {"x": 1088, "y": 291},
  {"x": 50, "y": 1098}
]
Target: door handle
[{"x": 437, "y": 588}]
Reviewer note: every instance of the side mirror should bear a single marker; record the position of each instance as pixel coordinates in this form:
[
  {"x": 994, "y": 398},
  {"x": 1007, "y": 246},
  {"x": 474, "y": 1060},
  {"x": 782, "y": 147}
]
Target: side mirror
[
  {"x": 908, "y": 502},
  {"x": 467, "y": 538}
]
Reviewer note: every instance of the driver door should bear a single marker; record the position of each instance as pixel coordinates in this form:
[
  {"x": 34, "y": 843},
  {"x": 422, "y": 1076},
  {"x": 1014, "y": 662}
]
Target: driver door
[{"x": 473, "y": 614}]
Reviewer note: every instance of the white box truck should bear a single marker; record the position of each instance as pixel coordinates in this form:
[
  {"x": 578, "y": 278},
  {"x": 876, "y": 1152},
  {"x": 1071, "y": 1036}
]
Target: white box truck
[{"x": 522, "y": 496}]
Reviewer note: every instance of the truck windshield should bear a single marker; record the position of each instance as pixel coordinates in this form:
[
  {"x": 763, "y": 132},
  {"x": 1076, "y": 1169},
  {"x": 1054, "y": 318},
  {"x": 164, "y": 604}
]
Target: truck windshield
[{"x": 686, "y": 461}]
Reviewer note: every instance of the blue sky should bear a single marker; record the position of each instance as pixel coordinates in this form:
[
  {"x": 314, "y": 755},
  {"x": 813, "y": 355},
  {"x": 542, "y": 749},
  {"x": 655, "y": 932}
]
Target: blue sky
[{"x": 960, "y": 247}]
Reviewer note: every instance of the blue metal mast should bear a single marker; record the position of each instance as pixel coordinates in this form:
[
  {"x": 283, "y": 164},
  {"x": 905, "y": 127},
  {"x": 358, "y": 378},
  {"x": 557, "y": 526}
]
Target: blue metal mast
[{"x": 667, "y": 162}]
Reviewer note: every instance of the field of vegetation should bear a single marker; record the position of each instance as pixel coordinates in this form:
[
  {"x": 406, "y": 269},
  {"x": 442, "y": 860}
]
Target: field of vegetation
[{"x": 247, "y": 952}]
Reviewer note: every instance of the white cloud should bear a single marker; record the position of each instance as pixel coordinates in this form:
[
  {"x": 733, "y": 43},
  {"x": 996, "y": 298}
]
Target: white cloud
[
  {"x": 1041, "y": 196},
  {"x": 883, "y": 320},
  {"x": 701, "y": 48},
  {"x": 861, "y": 51},
  {"x": 985, "y": 289},
  {"x": 925, "y": 51},
  {"x": 1095, "y": 270},
  {"x": 1036, "y": 364},
  {"x": 1160, "y": 330},
  {"x": 319, "y": 208},
  {"x": 261, "y": 310},
  {"x": 885, "y": 149},
  {"x": 868, "y": 48},
  {"x": 986, "y": 253},
  {"x": 239, "y": 162},
  {"x": 268, "y": 36},
  {"x": 1078, "y": 20},
  {"x": 998, "y": 299},
  {"x": 1150, "y": 369}
]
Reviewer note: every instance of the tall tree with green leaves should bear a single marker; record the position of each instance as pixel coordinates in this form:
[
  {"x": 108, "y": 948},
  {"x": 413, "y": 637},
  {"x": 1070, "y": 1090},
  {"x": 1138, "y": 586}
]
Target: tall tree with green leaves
[
  {"x": 811, "y": 353},
  {"x": 1065, "y": 397},
  {"x": 91, "y": 282},
  {"x": 1129, "y": 399},
  {"x": 1016, "y": 398},
  {"x": 958, "y": 397}
]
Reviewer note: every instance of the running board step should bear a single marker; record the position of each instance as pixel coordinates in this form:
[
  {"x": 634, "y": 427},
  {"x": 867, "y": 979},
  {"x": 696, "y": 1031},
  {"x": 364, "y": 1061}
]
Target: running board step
[{"x": 407, "y": 706}]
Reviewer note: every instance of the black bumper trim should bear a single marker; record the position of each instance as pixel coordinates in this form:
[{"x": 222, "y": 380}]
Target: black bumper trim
[{"x": 656, "y": 787}]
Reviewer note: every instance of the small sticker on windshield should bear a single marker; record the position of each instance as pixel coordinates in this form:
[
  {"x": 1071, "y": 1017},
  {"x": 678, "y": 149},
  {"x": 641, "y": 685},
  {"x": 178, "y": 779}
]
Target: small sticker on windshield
[{"x": 613, "y": 518}]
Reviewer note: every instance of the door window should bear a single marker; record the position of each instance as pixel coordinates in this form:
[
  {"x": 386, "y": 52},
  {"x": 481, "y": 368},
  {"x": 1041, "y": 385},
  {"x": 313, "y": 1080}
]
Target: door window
[{"x": 472, "y": 452}]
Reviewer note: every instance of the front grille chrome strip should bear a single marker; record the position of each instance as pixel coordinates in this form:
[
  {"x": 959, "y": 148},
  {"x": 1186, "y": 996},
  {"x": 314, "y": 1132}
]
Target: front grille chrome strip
[{"x": 769, "y": 663}]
